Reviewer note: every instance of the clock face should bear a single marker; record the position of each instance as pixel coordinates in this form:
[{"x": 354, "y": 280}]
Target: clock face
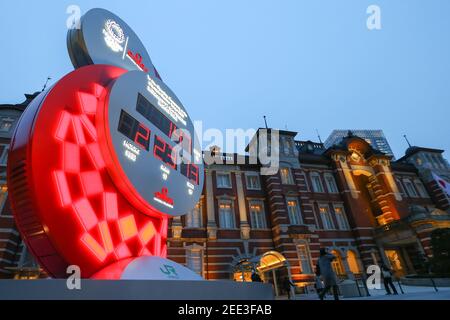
[{"x": 150, "y": 145}]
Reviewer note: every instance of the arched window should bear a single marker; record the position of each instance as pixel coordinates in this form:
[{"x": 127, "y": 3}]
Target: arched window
[
  {"x": 338, "y": 266},
  {"x": 352, "y": 261}
]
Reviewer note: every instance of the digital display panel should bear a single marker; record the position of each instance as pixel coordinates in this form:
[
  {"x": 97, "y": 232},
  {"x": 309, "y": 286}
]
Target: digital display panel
[
  {"x": 152, "y": 114},
  {"x": 134, "y": 130},
  {"x": 153, "y": 139}
]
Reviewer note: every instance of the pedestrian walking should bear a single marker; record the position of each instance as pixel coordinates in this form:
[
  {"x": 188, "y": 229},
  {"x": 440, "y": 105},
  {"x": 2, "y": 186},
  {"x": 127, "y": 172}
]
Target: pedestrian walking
[
  {"x": 256, "y": 277},
  {"x": 327, "y": 274},
  {"x": 318, "y": 281},
  {"x": 387, "y": 278},
  {"x": 287, "y": 284}
]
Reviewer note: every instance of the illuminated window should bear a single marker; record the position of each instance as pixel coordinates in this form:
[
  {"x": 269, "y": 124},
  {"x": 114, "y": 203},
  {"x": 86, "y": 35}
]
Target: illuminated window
[
  {"x": 294, "y": 211},
  {"x": 337, "y": 264},
  {"x": 331, "y": 183},
  {"x": 410, "y": 188},
  {"x": 286, "y": 176},
  {"x": 352, "y": 261},
  {"x": 317, "y": 184},
  {"x": 226, "y": 214},
  {"x": 253, "y": 182},
  {"x": 257, "y": 215},
  {"x": 341, "y": 218},
  {"x": 194, "y": 219},
  {"x": 421, "y": 188},
  {"x": 305, "y": 258},
  {"x": 326, "y": 218},
  {"x": 6, "y": 124},
  {"x": 223, "y": 180},
  {"x": 395, "y": 261},
  {"x": 194, "y": 259},
  {"x": 3, "y": 196}
]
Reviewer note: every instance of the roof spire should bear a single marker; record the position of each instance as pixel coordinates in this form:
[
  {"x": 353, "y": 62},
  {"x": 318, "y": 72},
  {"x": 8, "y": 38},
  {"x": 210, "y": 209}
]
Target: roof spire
[
  {"x": 318, "y": 135},
  {"x": 46, "y": 83},
  {"x": 407, "y": 141}
]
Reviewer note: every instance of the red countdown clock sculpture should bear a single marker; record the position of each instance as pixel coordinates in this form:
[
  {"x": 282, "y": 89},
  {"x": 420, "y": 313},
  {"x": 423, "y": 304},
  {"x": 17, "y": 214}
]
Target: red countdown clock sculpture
[{"x": 100, "y": 161}]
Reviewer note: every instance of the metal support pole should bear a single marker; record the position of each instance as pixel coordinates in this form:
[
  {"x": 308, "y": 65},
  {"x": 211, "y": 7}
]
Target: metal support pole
[{"x": 275, "y": 282}]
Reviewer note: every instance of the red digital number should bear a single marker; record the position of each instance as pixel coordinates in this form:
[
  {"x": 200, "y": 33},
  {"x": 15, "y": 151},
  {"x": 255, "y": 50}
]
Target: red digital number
[
  {"x": 183, "y": 138},
  {"x": 193, "y": 173},
  {"x": 163, "y": 151},
  {"x": 142, "y": 137}
]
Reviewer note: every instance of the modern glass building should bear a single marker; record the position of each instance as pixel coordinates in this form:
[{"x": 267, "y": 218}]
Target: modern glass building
[{"x": 375, "y": 138}]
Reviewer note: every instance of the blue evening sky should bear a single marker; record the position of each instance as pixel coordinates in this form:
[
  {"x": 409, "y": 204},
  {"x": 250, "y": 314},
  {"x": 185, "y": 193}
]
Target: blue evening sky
[{"x": 307, "y": 65}]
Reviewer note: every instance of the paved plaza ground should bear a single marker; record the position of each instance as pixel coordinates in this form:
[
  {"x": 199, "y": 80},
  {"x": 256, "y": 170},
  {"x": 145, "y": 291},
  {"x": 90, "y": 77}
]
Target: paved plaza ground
[{"x": 410, "y": 293}]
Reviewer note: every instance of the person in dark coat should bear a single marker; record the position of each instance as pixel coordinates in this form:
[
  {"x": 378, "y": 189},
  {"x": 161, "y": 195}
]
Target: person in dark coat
[
  {"x": 387, "y": 278},
  {"x": 287, "y": 283},
  {"x": 327, "y": 274},
  {"x": 256, "y": 277}
]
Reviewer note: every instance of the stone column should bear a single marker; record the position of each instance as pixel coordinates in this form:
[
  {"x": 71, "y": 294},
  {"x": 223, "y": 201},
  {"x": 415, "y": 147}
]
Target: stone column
[
  {"x": 210, "y": 209},
  {"x": 245, "y": 226}
]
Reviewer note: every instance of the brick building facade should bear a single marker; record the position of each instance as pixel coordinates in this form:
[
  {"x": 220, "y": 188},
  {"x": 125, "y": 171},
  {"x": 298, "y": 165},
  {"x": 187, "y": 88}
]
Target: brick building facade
[{"x": 349, "y": 198}]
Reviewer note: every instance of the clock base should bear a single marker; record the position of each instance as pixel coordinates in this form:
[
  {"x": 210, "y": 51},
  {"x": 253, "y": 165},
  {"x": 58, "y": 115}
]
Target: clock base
[{"x": 146, "y": 268}]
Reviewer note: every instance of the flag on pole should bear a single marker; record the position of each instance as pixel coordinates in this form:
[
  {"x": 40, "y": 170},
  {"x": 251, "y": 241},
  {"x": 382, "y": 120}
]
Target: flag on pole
[{"x": 445, "y": 186}]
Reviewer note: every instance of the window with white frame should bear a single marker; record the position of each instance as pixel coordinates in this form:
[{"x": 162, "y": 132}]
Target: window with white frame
[
  {"x": 194, "y": 259},
  {"x": 226, "y": 214},
  {"x": 252, "y": 181},
  {"x": 6, "y": 124},
  {"x": 325, "y": 215},
  {"x": 421, "y": 188},
  {"x": 410, "y": 188},
  {"x": 286, "y": 176},
  {"x": 257, "y": 214},
  {"x": 317, "y": 184},
  {"x": 223, "y": 180},
  {"x": 194, "y": 219},
  {"x": 294, "y": 211},
  {"x": 305, "y": 257},
  {"x": 331, "y": 183},
  {"x": 341, "y": 217}
]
